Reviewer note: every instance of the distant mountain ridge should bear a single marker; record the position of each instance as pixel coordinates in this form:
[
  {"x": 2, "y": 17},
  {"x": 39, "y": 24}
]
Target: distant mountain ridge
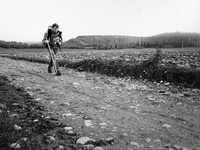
[
  {"x": 99, "y": 41},
  {"x": 174, "y": 39}
]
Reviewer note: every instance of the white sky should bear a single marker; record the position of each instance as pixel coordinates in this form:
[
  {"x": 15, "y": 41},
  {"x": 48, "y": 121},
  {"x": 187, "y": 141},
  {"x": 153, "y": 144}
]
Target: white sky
[{"x": 27, "y": 20}]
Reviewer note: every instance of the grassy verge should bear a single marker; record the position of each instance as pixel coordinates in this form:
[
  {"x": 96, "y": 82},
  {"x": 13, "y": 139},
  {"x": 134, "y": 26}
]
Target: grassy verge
[
  {"x": 22, "y": 121},
  {"x": 149, "y": 69}
]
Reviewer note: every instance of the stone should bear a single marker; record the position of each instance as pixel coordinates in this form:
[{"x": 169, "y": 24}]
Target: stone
[
  {"x": 15, "y": 104},
  {"x": 103, "y": 124},
  {"x": 98, "y": 148},
  {"x": 76, "y": 84},
  {"x": 166, "y": 83},
  {"x": 179, "y": 103},
  {"x": 157, "y": 140},
  {"x": 51, "y": 138},
  {"x": 14, "y": 115},
  {"x": 24, "y": 139},
  {"x": 2, "y": 105},
  {"x": 36, "y": 120},
  {"x": 184, "y": 148},
  {"x": 15, "y": 146},
  {"x": 17, "y": 127},
  {"x": 67, "y": 115},
  {"x": 68, "y": 128},
  {"x": 70, "y": 132},
  {"x": 125, "y": 134},
  {"x": 47, "y": 117},
  {"x": 89, "y": 146},
  {"x": 61, "y": 147},
  {"x": 38, "y": 99},
  {"x": 88, "y": 123},
  {"x": 166, "y": 126},
  {"x": 110, "y": 140},
  {"x": 148, "y": 140},
  {"x": 176, "y": 147},
  {"x": 83, "y": 140},
  {"x": 135, "y": 144},
  {"x": 52, "y": 102}
]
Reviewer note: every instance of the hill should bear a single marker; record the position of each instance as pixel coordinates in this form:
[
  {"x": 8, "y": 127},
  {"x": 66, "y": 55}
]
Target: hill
[
  {"x": 101, "y": 42},
  {"x": 175, "y": 39}
]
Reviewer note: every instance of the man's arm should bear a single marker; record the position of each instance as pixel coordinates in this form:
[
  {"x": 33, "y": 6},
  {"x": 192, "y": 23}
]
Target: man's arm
[{"x": 46, "y": 37}]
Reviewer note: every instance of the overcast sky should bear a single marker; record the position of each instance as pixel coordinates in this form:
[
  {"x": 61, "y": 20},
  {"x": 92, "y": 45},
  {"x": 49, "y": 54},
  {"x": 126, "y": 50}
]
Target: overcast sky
[{"x": 27, "y": 20}]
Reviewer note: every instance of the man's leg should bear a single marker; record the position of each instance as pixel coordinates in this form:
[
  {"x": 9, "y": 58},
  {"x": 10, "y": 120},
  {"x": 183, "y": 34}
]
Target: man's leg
[{"x": 50, "y": 66}]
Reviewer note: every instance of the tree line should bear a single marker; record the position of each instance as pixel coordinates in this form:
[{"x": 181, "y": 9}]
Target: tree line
[
  {"x": 176, "y": 40},
  {"x": 19, "y": 45}
]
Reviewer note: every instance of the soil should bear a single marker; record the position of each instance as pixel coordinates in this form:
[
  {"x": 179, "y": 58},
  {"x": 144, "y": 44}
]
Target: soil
[{"x": 136, "y": 114}]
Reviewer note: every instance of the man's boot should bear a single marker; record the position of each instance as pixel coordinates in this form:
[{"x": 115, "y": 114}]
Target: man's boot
[{"x": 58, "y": 73}]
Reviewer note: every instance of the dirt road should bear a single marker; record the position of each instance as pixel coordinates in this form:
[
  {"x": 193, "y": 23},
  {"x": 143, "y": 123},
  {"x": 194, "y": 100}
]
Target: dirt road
[{"x": 136, "y": 114}]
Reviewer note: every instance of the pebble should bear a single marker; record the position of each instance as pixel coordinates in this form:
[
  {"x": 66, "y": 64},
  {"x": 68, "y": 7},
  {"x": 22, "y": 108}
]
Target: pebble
[
  {"x": 89, "y": 147},
  {"x": 184, "y": 148},
  {"x": 65, "y": 103},
  {"x": 110, "y": 140},
  {"x": 151, "y": 99},
  {"x": 14, "y": 115},
  {"x": 103, "y": 124},
  {"x": 166, "y": 126},
  {"x": 24, "y": 139},
  {"x": 60, "y": 147},
  {"x": 83, "y": 140},
  {"x": 67, "y": 128},
  {"x": 38, "y": 99},
  {"x": 125, "y": 134},
  {"x": 176, "y": 147},
  {"x": 2, "y": 105},
  {"x": 76, "y": 84},
  {"x": 70, "y": 132},
  {"x": 148, "y": 140},
  {"x": 52, "y": 102},
  {"x": 179, "y": 103},
  {"x": 157, "y": 140},
  {"x": 135, "y": 144},
  {"x": 98, "y": 148},
  {"x": 88, "y": 123},
  {"x": 15, "y": 145},
  {"x": 67, "y": 115},
  {"x": 17, "y": 127},
  {"x": 47, "y": 117},
  {"x": 36, "y": 120},
  {"x": 15, "y": 104},
  {"x": 166, "y": 83},
  {"x": 196, "y": 90},
  {"x": 51, "y": 138}
]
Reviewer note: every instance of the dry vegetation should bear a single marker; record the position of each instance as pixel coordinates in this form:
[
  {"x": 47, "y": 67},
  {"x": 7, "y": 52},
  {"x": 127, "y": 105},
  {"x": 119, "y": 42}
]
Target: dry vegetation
[{"x": 176, "y": 66}]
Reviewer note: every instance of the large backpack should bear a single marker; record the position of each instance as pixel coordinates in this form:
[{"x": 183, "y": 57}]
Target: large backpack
[{"x": 54, "y": 40}]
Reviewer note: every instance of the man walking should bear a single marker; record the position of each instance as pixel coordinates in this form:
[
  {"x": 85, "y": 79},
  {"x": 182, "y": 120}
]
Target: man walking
[{"x": 53, "y": 38}]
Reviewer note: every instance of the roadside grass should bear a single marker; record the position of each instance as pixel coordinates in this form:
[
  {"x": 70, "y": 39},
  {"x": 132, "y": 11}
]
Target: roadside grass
[
  {"x": 22, "y": 122},
  {"x": 147, "y": 70},
  {"x": 150, "y": 69}
]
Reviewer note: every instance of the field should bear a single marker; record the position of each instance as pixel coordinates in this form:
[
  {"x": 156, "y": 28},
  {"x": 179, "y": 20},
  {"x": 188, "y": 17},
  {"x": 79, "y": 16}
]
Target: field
[{"x": 177, "y": 66}]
